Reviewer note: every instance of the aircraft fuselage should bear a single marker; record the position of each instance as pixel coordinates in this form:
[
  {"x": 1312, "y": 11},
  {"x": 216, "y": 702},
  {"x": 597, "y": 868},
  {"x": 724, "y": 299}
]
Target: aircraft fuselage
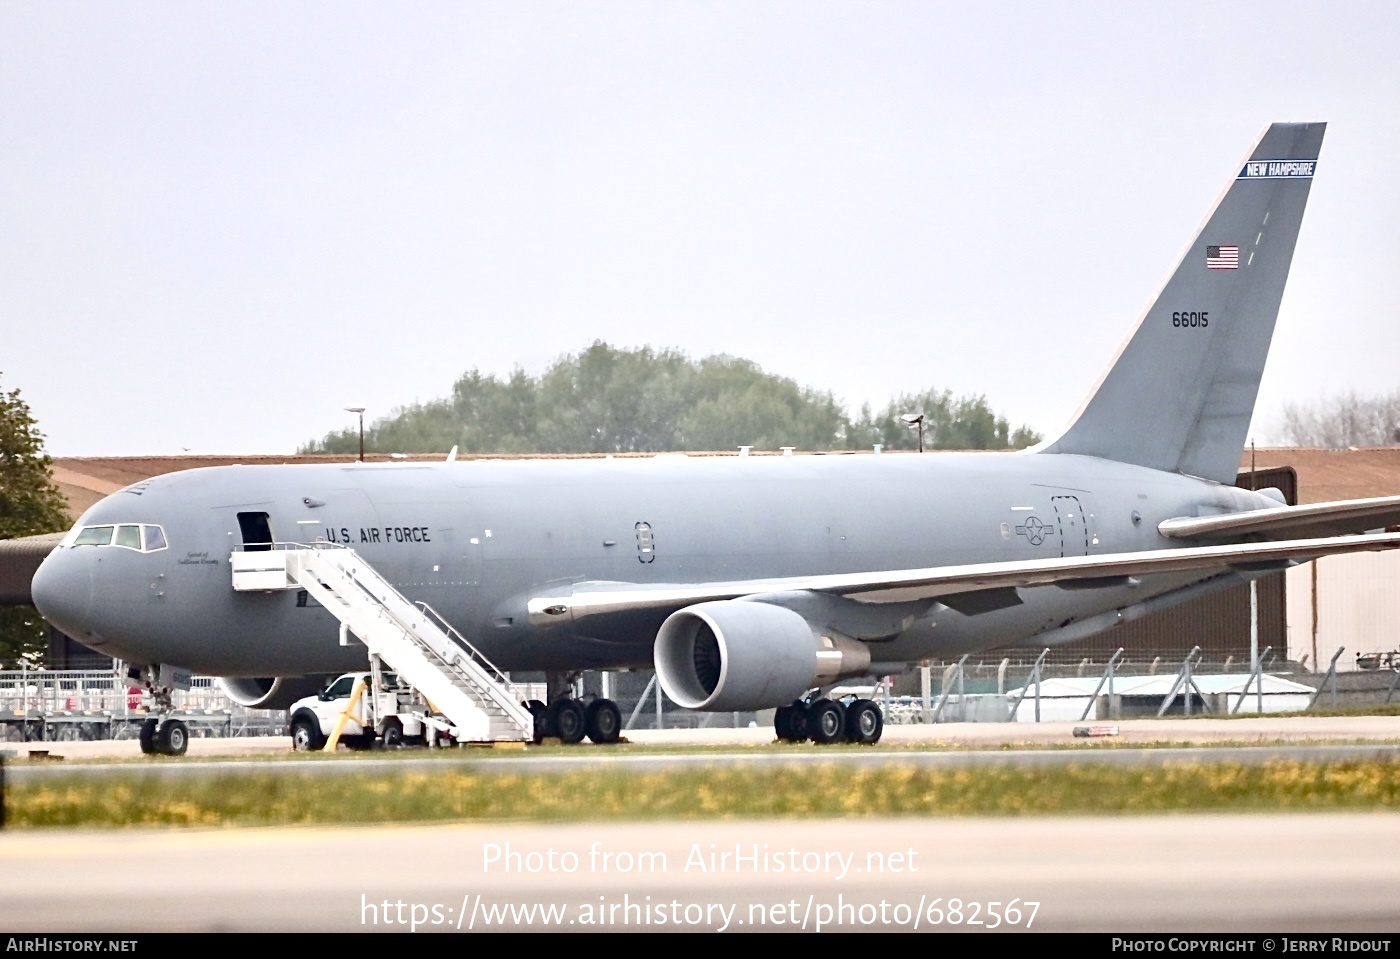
[{"x": 477, "y": 539}]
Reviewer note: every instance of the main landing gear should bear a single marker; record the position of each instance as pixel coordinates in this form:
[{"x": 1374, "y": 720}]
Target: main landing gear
[
  {"x": 569, "y": 719},
  {"x": 830, "y": 721}
]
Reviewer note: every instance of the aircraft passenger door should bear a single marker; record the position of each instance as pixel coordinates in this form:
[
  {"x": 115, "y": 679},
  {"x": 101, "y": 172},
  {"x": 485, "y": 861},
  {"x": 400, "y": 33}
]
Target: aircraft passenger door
[
  {"x": 256, "y": 529},
  {"x": 1073, "y": 524}
]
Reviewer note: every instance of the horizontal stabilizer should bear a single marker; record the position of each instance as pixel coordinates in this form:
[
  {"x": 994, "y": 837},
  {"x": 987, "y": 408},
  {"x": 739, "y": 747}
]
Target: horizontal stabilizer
[{"x": 1291, "y": 522}]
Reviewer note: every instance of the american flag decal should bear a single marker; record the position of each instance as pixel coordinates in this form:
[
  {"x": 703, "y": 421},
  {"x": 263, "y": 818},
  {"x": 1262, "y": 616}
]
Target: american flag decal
[{"x": 1222, "y": 258}]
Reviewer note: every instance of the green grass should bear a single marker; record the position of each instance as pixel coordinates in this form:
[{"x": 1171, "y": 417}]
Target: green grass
[{"x": 716, "y": 792}]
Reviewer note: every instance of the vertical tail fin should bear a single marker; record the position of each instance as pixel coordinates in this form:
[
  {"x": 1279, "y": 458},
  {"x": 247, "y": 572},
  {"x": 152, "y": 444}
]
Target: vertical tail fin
[{"x": 1180, "y": 393}]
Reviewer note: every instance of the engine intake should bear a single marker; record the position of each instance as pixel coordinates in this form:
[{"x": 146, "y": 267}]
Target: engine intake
[
  {"x": 736, "y": 655},
  {"x": 275, "y": 692}
]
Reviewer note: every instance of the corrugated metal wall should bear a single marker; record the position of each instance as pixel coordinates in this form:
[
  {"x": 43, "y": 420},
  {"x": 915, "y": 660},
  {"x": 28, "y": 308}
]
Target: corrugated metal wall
[{"x": 1357, "y": 606}]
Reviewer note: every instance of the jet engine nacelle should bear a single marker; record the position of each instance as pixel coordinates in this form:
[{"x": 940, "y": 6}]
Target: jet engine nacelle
[
  {"x": 736, "y": 655},
  {"x": 277, "y": 692}
]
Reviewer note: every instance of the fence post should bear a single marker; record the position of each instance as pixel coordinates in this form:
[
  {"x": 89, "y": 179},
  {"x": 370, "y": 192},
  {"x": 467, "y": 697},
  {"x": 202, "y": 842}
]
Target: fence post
[
  {"x": 1107, "y": 677},
  {"x": 1330, "y": 677}
]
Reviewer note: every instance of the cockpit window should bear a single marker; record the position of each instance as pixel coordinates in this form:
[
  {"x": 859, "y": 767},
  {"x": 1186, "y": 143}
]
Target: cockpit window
[
  {"x": 94, "y": 536},
  {"x": 141, "y": 537}
]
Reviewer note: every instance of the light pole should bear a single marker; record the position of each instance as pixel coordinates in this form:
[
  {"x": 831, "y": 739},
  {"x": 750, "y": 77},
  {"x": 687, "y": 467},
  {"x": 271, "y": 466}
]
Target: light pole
[
  {"x": 912, "y": 420},
  {"x": 360, "y": 411}
]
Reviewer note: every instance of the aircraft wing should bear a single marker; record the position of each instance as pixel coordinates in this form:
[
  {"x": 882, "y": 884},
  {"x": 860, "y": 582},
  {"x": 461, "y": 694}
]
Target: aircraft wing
[
  {"x": 892, "y": 586},
  {"x": 1289, "y": 522}
]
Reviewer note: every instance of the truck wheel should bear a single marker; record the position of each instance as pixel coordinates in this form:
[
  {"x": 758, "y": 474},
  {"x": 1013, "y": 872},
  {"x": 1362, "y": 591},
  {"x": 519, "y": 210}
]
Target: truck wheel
[
  {"x": 148, "y": 736},
  {"x": 391, "y": 733},
  {"x": 173, "y": 737},
  {"x": 306, "y": 735}
]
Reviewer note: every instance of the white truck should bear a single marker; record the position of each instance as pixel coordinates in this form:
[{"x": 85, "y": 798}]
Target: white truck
[{"x": 392, "y": 713}]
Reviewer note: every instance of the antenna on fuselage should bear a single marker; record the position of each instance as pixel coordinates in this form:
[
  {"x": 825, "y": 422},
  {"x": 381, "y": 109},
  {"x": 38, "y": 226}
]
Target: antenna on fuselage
[{"x": 452, "y": 454}]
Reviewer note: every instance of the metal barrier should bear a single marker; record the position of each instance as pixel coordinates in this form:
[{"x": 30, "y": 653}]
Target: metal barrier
[{"x": 68, "y": 705}]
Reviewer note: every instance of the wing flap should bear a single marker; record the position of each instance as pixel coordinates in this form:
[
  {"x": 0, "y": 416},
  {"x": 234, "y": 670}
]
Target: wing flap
[
  {"x": 889, "y": 586},
  {"x": 1290, "y": 522}
]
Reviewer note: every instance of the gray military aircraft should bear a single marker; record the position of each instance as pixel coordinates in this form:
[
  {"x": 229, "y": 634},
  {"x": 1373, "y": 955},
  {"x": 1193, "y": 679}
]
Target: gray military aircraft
[{"x": 754, "y": 582}]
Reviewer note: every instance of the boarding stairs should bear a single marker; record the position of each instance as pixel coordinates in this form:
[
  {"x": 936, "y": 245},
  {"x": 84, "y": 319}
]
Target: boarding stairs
[{"x": 411, "y": 639}]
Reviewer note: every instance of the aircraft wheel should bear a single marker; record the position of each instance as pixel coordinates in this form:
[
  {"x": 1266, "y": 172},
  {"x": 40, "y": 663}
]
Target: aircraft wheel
[
  {"x": 826, "y": 721},
  {"x": 799, "y": 722},
  {"x": 391, "y": 733},
  {"x": 539, "y": 712},
  {"x": 790, "y": 723},
  {"x": 173, "y": 737},
  {"x": 566, "y": 720},
  {"x": 603, "y": 721},
  {"x": 306, "y": 735},
  {"x": 780, "y": 723},
  {"x": 147, "y": 736},
  {"x": 864, "y": 722}
]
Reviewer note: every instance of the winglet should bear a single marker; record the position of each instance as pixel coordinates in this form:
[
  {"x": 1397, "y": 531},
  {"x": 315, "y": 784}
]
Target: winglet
[{"x": 1180, "y": 393}]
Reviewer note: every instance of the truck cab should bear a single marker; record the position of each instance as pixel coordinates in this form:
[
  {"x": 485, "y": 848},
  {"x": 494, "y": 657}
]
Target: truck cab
[{"x": 374, "y": 710}]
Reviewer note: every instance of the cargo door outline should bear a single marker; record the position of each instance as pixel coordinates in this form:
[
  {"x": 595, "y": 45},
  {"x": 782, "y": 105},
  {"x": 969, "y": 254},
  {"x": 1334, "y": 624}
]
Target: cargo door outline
[{"x": 1073, "y": 523}]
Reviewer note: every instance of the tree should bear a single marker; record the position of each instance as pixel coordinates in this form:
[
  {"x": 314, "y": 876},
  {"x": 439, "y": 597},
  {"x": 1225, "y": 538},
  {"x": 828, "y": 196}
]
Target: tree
[
  {"x": 606, "y": 399},
  {"x": 1346, "y": 420},
  {"x": 962, "y": 423},
  {"x": 30, "y": 503}
]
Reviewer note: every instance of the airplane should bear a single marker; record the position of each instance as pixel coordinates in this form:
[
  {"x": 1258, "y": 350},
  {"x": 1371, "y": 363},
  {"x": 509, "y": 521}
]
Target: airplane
[{"x": 753, "y": 582}]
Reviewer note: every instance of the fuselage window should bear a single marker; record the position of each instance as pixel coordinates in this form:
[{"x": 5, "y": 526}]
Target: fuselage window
[
  {"x": 94, "y": 536},
  {"x": 129, "y": 536},
  {"x": 155, "y": 538}
]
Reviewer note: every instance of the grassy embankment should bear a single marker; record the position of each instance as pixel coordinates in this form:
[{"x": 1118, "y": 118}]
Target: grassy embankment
[{"x": 717, "y": 792}]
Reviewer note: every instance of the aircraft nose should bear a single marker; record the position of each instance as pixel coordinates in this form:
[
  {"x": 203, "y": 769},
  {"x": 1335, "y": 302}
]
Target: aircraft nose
[{"x": 62, "y": 591}]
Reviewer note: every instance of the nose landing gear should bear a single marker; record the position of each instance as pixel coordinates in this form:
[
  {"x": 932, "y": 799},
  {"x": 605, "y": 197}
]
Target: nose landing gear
[{"x": 161, "y": 734}]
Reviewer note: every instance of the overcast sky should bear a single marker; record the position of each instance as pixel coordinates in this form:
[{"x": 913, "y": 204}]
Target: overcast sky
[{"x": 222, "y": 223}]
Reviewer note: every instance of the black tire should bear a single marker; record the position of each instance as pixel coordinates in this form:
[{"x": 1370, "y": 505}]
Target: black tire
[
  {"x": 799, "y": 727},
  {"x": 391, "y": 732},
  {"x": 826, "y": 721},
  {"x": 306, "y": 734},
  {"x": 864, "y": 722},
  {"x": 147, "y": 736},
  {"x": 539, "y": 712},
  {"x": 173, "y": 737},
  {"x": 781, "y": 727},
  {"x": 566, "y": 720},
  {"x": 603, "y": 721}
]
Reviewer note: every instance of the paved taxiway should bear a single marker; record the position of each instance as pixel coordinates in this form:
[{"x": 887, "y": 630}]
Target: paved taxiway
[
  {"x": 1245, "y": 731},
  {"x": 1189, "y": 872},
  {"x": 1257, "y": 873}
]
